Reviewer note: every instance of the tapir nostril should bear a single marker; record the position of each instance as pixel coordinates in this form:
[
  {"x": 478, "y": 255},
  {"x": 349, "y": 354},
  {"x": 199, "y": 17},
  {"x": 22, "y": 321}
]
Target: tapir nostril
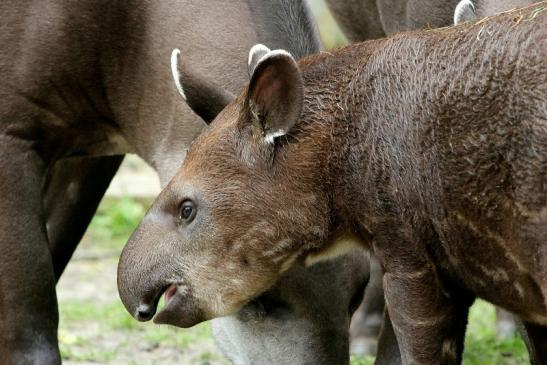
[{"x": 144, "y": 312}]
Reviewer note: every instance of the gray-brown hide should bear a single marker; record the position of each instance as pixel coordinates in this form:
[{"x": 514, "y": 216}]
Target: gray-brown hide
[
  {"x": 361, "y": 20},
  {"x": 428, "y": 148},
  {"x": 84, "y": 82}
]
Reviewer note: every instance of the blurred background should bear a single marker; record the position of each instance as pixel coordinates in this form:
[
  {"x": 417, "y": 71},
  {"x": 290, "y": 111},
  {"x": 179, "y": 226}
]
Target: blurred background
[{"x": 96, "y": 329}]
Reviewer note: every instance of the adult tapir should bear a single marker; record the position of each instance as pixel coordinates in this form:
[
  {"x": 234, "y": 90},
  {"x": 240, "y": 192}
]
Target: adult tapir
[
  {"x": 427, "y": 148},
  {"x": 84, "y": 82},
  {"x": 361, "y": 20}
]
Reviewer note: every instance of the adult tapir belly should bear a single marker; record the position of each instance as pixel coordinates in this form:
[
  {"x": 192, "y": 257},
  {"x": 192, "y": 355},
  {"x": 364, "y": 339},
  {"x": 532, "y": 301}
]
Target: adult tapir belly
[{"x": 84, "y": 82}]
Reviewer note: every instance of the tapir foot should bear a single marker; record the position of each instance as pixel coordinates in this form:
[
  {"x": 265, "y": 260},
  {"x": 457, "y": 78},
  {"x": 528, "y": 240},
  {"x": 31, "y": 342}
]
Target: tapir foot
[{"x": 36, "y": 354}]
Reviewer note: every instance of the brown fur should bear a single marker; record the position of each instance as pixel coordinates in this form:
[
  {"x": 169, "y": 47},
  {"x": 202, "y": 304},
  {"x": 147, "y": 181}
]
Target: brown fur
[{"x": 430, "y": 147}]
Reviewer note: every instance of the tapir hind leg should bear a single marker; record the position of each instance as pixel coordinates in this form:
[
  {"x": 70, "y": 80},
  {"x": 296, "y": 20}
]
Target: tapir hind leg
[
  {"x": 537, "y": 343},
  {"x": 29, "y": 319},
  {"x": 73, "y": 192},
  {"x": 367, "y": 320},
  {"x": 388, "y": 348}
]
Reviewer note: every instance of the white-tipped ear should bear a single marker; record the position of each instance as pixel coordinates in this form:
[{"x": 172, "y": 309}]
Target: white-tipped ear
[
  {"x": 255, "y": 54},
  {"x": 275, "y": 94},
  {"x": 465, "y": 11},
  {"x": 175, "y": 56}
]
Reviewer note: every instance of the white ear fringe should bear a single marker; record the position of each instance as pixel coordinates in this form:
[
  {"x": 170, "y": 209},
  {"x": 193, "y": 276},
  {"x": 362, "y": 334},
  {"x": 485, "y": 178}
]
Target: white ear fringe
[
  {"x": 259, "y": 50},
  {"x": 273, "y": 53},
  {"x": 463, "y": 8},
  {"x": 270, "y": 137},
  {"x": 256, "y": 53},
  {"x": 175, "y": 71}
]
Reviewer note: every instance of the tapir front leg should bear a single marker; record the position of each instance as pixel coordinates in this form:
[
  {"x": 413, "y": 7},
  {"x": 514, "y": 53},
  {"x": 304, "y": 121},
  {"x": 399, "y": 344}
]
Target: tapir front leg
[
  {"x": 429, "y": 321},
  {"x": 74, "y": 190},
  {"x": 427, "y": 311},
  {"x": 28, "y": 324}
]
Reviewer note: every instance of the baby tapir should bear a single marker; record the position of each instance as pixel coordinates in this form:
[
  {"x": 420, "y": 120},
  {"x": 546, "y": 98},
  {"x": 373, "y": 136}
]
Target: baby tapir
[{"x": 428, "y": 148}]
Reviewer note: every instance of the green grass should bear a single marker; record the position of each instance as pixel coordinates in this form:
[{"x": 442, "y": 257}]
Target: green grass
[
  {"x": 358, "y": 360},
  {"x": 110, "y": 326},
  {"x": 481, "y": 345},
  {"x": 114, "y": 222},
  {"x": 109, "y": 330}
]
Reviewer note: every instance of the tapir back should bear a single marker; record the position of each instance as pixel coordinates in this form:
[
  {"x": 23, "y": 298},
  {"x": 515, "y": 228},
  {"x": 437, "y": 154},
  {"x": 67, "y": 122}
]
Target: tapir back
[{"x": 465, "y": 110}]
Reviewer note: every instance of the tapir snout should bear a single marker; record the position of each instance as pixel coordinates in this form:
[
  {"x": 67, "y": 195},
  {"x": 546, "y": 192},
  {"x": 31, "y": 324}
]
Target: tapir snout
[
  {"x": 141, "y": 290},
  {"x": 183, "y": 249}
]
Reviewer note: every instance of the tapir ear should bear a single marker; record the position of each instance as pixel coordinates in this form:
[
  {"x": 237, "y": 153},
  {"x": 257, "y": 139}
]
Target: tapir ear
[
  {"x": 464, "y": 12},
  {"x": 275, "y": 94},
  {"x": 255, "y": 54},
  {"x": 204, "y": 97}
]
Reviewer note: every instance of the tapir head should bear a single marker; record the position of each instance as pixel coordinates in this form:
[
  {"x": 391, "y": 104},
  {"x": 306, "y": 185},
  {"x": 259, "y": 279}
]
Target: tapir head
[{"x": 246, "y": 205}]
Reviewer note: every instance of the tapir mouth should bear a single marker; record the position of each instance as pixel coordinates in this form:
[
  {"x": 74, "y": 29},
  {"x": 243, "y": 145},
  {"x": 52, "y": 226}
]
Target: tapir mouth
[
  {"x": 169, "y": 292},
  {"x": 148, "y": 306},
  {"x": 180, "y": 309}
]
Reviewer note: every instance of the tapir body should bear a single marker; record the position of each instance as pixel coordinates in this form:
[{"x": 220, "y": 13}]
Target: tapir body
[
  {"x": 365, "y": 20},
  {"x": 428, "y": 149},
  {"x": 84, "y": 82}
]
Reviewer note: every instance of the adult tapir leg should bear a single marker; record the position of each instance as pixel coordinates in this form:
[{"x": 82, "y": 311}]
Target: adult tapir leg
[
  {"x": 536, "y": 342},
  {"x": 73, "y": 192},
  {"x": 28, "y": 324},
  {"x": 388, "y": 349}
]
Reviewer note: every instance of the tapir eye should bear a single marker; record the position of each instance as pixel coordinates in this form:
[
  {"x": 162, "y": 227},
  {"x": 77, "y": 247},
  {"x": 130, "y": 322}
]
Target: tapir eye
[{"x": 187, "y": 211}]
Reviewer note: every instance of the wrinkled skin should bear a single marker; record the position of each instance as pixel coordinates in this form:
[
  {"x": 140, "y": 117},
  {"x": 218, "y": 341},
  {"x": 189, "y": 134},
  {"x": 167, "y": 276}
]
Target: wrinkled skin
[
  {"x": 353, "y": 149},
  {"x": 83, "y": 83}
]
